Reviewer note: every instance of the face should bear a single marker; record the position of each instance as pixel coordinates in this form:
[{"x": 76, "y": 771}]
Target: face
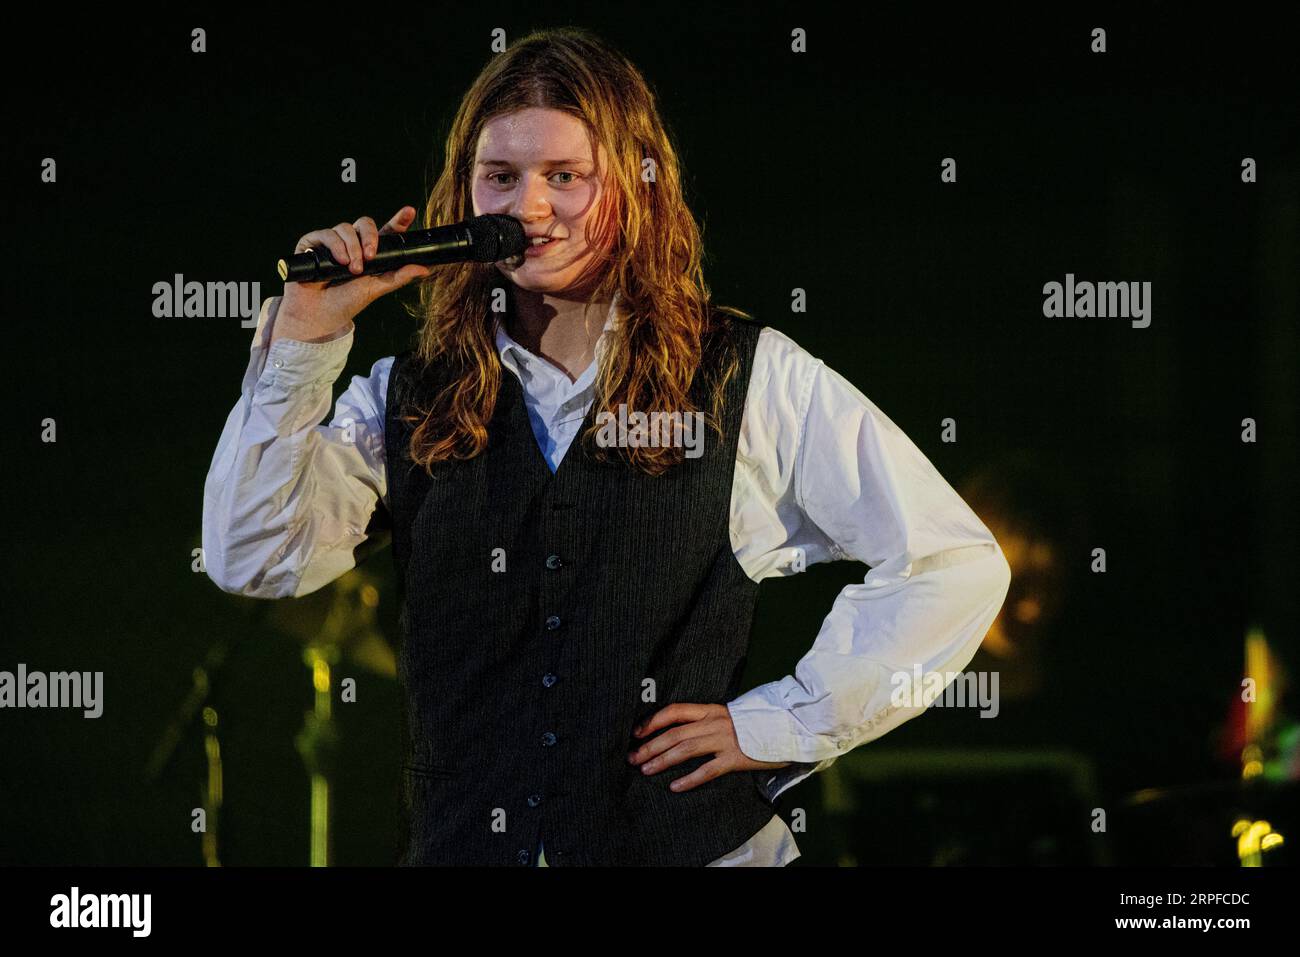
[{"x": 536, "y": 165}]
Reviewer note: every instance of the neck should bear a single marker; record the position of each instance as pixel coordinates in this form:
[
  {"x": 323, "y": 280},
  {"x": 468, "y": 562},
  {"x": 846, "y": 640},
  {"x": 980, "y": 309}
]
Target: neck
[{"x": 562, "y": 331}]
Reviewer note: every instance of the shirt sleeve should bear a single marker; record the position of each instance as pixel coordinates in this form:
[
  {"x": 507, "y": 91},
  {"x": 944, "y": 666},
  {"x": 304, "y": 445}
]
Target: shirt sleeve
[
  {"x": 833, "y": 478},
  {"x": 287, "y": 499}
]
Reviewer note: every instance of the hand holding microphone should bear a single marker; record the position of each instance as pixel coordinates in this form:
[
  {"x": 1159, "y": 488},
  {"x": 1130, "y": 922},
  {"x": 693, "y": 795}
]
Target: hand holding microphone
[{"x": 335, "y": 273}]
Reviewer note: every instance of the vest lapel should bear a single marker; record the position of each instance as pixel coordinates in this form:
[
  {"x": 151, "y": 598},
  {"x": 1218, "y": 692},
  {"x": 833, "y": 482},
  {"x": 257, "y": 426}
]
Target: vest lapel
[{"x": 516, "y": 421}]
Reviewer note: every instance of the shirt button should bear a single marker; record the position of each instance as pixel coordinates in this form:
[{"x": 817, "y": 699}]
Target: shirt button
[
  {"x": 534, "y": 800},
  {"x": 552, "y": 622},
  {"x": 553, "y": 561},
  {"x": 548, "y": 739},
  {"x": 548, "y": 679},
  {"x": 523, "y": 856}
]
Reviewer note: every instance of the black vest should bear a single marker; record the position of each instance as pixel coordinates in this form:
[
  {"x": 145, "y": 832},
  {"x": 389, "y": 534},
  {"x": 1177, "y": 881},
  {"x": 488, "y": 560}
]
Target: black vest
[{"x": 521, "y": 687}]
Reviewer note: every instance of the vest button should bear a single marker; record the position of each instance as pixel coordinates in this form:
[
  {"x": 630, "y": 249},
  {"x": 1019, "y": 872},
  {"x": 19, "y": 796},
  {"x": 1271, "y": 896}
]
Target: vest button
[
  {"x": 552, "y": 622},
  {"x": 523, "y": 856},
  {"x": 553, "y": 562},
  {"x": 548, "y": 679},
  {"x": 534, "y": 800},
  {"x": 548, "y": 739}
]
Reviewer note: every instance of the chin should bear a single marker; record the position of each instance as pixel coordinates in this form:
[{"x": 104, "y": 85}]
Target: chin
[{"x": 544, "y": 282}]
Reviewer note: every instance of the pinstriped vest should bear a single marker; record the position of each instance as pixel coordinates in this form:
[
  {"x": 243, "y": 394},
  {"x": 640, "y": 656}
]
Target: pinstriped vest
[{"x": 521, "y": 687}]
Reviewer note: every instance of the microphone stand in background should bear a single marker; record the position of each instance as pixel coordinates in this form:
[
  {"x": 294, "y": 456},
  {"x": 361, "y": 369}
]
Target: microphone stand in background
[
  {"x": 193, "y": 707},
  {"x": 337, "y": 620}
]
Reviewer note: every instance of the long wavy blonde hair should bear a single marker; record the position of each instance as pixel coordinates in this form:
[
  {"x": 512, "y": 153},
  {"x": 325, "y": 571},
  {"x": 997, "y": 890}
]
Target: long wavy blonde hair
[{"x": 652, "y": 259}]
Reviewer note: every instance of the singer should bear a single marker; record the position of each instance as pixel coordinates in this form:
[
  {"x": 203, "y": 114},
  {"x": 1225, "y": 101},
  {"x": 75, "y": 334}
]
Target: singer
[{"x": 575, "y": 616}]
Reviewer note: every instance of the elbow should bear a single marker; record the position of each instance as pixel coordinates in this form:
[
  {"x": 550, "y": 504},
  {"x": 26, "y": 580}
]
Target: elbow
[
  {"x": 998, "y": 576},
  {"x": 1001, "y": 573},
  {"x": 227, "y": 582},
  {"x": 231, "y": 583},
  {"x": 256, "y": 586},
  {"x": 240, "y": 556},
  {"x": 249, "y": 578}
]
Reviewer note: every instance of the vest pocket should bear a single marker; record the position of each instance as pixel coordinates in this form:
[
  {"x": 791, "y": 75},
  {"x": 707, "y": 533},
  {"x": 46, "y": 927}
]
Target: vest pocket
[{"x": 425, "y": 823}]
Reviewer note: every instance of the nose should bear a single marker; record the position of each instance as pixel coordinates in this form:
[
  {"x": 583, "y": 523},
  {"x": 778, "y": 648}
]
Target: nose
[{"x": 531, "y": 203}]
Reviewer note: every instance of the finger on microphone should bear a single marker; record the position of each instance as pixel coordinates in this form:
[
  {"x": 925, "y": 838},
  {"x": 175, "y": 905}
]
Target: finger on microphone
[
  {"x": 400, "y": 221},
  {"x": 330, "y": 240},
  {"x": 368, "y": 233},
  {"x": 348, "y": 233}
]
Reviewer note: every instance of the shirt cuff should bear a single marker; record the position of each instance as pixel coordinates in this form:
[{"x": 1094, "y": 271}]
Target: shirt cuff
[
  {"x": 767, "y": 733},
  {"x": 289, "y": 363},
  {"x": 770, "y": 733}
]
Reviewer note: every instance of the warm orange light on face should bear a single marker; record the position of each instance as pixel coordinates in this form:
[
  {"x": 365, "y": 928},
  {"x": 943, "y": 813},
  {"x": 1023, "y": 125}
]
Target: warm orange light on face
[{"x": 518, "y": 172}]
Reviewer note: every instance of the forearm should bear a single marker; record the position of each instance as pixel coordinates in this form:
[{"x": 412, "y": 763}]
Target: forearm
[{"x": 286, "y": 500}]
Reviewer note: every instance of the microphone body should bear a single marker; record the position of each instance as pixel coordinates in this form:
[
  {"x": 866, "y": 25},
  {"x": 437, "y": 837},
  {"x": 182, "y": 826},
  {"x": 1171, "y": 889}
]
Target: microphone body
[{"x": 484, "y": 239}]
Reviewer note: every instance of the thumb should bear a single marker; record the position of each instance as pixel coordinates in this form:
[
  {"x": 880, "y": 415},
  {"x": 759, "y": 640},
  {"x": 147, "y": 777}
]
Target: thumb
[
  {"x": 385, "y": 282},
  {"x": 408, "y": 274}
]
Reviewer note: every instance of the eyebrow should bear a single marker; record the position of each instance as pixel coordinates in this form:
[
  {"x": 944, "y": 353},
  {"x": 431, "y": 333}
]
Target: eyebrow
[{"x": 554, "y": 162}]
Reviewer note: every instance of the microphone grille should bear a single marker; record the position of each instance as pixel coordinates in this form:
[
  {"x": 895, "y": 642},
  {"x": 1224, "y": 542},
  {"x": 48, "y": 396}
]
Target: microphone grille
[{"x": 495, "y": 237}]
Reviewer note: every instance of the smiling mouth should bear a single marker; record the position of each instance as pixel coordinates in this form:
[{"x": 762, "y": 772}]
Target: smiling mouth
[
  {"x": 536, "y": 249},
  {"x": 531, "y": 251}
]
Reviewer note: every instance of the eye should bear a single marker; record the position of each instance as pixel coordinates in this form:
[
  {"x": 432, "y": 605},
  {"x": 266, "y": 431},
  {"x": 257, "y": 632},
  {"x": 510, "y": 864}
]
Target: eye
[{"x": 573, "y": 178}]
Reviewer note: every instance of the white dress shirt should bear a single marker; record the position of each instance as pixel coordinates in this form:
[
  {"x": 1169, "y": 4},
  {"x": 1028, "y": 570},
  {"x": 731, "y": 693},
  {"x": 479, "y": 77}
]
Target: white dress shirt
[{"x": 821, "y": 474}]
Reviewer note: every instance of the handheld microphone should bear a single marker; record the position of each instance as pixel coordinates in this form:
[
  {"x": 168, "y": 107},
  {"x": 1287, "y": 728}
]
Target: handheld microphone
[{"x": 483, "y": 239}]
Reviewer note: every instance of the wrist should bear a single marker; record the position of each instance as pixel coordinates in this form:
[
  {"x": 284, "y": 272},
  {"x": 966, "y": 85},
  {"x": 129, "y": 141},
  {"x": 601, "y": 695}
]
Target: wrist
[{"x": 289, "y": 326}]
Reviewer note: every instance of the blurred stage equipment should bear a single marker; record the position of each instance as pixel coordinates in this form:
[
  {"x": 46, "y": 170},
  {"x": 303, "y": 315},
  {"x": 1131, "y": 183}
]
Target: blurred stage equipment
[
  {"x": 342, "y": 623},
  {"x": 952, "y": 808},
  {"x": 1240, "y": 822},
  {"x": 196, "y": 706},
  {"x": 1219, "y": 824},
  {"x": 338, "y": 622}
]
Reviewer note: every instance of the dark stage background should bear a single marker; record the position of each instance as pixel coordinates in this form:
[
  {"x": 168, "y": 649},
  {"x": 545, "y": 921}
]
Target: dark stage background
[{"x": 818, "y": 171}]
